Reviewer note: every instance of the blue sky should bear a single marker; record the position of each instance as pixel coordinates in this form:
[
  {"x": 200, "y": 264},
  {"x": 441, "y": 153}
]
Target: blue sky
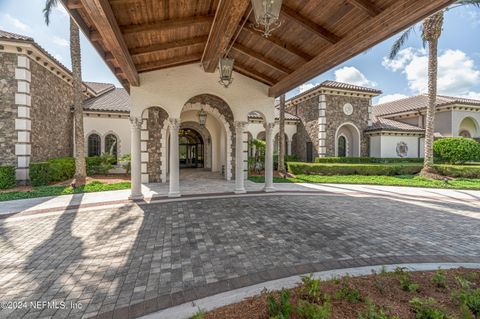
[{"x": 459, "y": 55}]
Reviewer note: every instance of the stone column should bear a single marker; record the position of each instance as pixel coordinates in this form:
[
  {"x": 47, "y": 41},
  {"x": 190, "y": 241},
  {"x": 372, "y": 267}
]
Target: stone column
[
  {"x": 289, "y": 147},
  {"x": 136, "y": 174},
  {"x": 174, "y": 180},
  {"x": 239, "y": 178},
  {"x": 269, "y": 157}
]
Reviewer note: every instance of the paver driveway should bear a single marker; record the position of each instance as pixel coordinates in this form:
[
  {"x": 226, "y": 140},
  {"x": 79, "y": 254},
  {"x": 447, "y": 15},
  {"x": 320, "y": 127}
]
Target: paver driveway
[{"x": 127, "y": 261}]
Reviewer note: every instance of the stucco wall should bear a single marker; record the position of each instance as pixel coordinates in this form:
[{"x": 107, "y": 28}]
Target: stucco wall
[
  {"x": 386, "y": 146},
  {"x": 105, "y": 125},
  {"x": 51, "y": 134},
  {"x": 443, "y": 123},
  {"x": 459, "y": 116},
  {"x": 8, "y": 112}
]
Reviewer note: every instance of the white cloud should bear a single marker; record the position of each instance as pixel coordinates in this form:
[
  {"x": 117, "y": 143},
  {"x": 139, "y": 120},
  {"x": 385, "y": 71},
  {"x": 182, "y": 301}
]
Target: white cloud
[
  {"x": 352, "y": 75},
  {"x": 457, "y": 73},
  {"x": 60, "y": 41},
  {"x": 391, "y": 98},
  {"x": 15, "y": 23},
  {"x": 306, "y": 86}
]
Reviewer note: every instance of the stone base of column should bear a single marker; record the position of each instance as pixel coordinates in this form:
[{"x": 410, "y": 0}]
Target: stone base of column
[
  {"x": 174, "y": 194},
  {"x": 269, "y": 189},
  {"x": 135, "y": 197},
  {"x": 240, "y": 191}
]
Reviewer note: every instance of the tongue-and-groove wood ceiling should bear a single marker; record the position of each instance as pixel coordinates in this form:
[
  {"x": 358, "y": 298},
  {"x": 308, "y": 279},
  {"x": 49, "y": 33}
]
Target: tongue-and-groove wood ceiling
[{"x": 136, "y": 36}]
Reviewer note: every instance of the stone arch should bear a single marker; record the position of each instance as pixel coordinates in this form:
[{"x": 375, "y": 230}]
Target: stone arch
[
  {"x": 220, "y": 110},
  {"x": 353, "y": 139},
  {"x": 468, "y": 127},
  {"x": 154, "y": 145},
  {"x": 207, "y": 140}
]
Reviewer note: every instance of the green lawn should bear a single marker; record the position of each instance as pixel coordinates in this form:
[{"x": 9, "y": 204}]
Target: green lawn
[
  {"x": 43, "y": 191},
  {"x": 401, "y": 180}
]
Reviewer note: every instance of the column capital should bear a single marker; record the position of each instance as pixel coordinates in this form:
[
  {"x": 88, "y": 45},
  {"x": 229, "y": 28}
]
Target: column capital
[
  {"x": 240, "y": 125},
  {"x": 136, "y": 122},
  {"x": 174, "y": 123},
  {"x": 269, "y": 126}
]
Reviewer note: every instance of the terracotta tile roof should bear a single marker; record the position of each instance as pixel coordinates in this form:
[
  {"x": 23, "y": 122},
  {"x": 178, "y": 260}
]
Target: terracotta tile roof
[
  {"x": 115, "y": 100},
  {"x": 416, "y": 103},
  {"x": 349, "y": 87},
  {"x": 14, "y": 36},
  {"x": 288, "y": 116},
  {"x": 99, "y": 88},
  {"x": 381, "y": 124}
]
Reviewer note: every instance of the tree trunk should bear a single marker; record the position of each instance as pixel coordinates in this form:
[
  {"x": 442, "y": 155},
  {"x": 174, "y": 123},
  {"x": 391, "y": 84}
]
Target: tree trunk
[
  {"x": 80, "y": 169},
  {"x": 281, "y": 148},
  {"x": 432, "y": 29}
]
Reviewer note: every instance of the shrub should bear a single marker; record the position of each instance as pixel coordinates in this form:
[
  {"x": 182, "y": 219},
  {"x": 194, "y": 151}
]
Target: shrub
[
  {"x": 280, "y": 309},
  {"x": 310, "y": 288},
  {"x": 367, "y": 160},
  {"x": 7, "y": 177},
  {"x": 288, "y": 158},
  {"x": 39, "y": 174},
  {"x": 61, "y": 169},
  {"x": 440, "y": 279},
  {"x": 374, "y": 312},
  {"x": 99, "y": 164},
  {"x": 126, "y": 161},
  {"x": 309, "y": 310},
  {"x": 464, "y": 171},
  {"x": 470, "y": 299},
  {"x": 350, "y": 294},
  {"x": 456, "y": 149},
  {"x": 353, "y": 169},
  {"x": 425, "y": 309},
  {"x": 405, "y": 281}
]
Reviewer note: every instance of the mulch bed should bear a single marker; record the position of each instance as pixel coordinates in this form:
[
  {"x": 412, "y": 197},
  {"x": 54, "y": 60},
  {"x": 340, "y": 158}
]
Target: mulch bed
[{"x": 382, "y": 289}]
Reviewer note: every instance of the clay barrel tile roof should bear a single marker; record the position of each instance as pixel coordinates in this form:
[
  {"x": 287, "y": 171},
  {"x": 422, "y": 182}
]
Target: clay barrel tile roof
[{"x": 381, "y": 124}]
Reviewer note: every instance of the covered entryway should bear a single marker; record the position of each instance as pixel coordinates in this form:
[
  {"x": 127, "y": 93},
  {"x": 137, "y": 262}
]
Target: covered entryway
[{"x": 191, "y": 149}]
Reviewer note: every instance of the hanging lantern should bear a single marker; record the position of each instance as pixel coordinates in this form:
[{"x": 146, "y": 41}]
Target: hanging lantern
[
  {"x": 267, "y": 14},
  {"x": 202, "y": 117},
  {"x": 226, "y": 70}
]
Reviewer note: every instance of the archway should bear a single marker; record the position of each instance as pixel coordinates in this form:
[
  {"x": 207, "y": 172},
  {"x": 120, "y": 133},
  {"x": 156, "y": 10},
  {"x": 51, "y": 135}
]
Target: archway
[
  {"x": 191, "y": 148},
  {"x": 468, "y": 128},
  {"x": 347, "y": 141}
]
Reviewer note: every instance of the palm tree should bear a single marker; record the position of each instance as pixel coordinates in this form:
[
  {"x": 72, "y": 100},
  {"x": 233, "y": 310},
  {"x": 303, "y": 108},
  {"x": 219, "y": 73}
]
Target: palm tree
[
  {"x": 80, "y": 169},
  {"x": 431, "y": 30}
]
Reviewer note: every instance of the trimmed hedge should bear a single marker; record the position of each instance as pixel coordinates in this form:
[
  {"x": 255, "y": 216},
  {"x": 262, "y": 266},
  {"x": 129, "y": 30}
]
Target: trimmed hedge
[
  {"x": 61, "y": 169},
  {"x": 463, "y": 171},
  {"x": 297, "y": 168},
  {"x": 456, "y": 149},
  {"x": 7, "y": 177},
  {"x": 39, "y": 174},
  {"x": 367, "y": 160}
]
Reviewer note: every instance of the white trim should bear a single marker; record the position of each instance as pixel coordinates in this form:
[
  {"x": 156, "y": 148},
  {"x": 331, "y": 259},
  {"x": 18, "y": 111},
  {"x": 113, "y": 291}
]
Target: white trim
[{"x": 359, "y": 139}]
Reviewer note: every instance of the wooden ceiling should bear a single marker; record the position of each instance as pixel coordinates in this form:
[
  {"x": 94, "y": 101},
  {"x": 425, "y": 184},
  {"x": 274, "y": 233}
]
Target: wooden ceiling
[{"x": 135, "y": 36}]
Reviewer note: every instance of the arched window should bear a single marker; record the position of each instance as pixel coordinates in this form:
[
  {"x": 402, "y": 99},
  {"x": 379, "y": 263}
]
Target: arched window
[
  {"x": 94, "y": 145},
  {"x": 111, "y": 145},
  {"x": 465, "y": 133},
  {"x": 342, "y": 146}
]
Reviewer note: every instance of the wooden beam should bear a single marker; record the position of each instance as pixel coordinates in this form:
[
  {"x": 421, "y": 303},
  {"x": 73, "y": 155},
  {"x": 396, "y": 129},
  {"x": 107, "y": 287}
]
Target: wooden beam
[
  {"x": 95, "y": 36},
  {"x": 162, "y": 64},
  {"x": 104, "y": 20},
  {"x": 227, "y": 17},
  {"x": 309, "y": 25},
  {"x": 365, "y": 5},
  {"x": 108, "y": 56},
  {"x": 74, "y": 4},
  {"x": 253, "y": 74},
  {"x": 401, "y": 14},
  {"x": 166, "y": 24},
  {"x": 160, "y": 47},
  {"x": 260, "y": 58},
  {"x": 279, "y": 44}
]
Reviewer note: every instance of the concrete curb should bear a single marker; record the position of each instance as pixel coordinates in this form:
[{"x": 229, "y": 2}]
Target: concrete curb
[{"x": 188, "y": 309}]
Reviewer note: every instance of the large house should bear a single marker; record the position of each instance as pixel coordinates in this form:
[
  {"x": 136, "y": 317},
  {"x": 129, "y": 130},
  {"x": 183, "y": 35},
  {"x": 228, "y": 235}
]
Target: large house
[{"x": 331, "y": 119}]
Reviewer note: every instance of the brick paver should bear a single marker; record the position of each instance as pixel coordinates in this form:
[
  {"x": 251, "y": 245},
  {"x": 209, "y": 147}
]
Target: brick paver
[{"x": 132, "y": 260}]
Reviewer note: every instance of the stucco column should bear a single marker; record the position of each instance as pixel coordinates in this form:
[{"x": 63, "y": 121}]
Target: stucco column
[
  {"x": 269, "y": 157},
  {"x": 136, "y": 174},
  {"x": 174, "y": 180},
  {"x": 239, "y": 164}
]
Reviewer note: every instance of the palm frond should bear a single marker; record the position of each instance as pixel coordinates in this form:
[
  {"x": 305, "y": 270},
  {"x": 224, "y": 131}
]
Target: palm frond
[
  {"x": 460, "y": 3},
  {"x": 47, "y": 11},
  {"x": 400, "y": 42}
]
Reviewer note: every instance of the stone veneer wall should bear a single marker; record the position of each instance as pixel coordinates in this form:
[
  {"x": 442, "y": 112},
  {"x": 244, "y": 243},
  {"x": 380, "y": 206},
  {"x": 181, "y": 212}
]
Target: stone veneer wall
[
  {"x": 8, "y": 111},
  {"x": 51, "y": 118},
  {"x": 335, "y": 117},
  {"x": 152, "y": 138},
  {"x": 307, "y": 128},
  {"x": 224, "y": 109}
]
